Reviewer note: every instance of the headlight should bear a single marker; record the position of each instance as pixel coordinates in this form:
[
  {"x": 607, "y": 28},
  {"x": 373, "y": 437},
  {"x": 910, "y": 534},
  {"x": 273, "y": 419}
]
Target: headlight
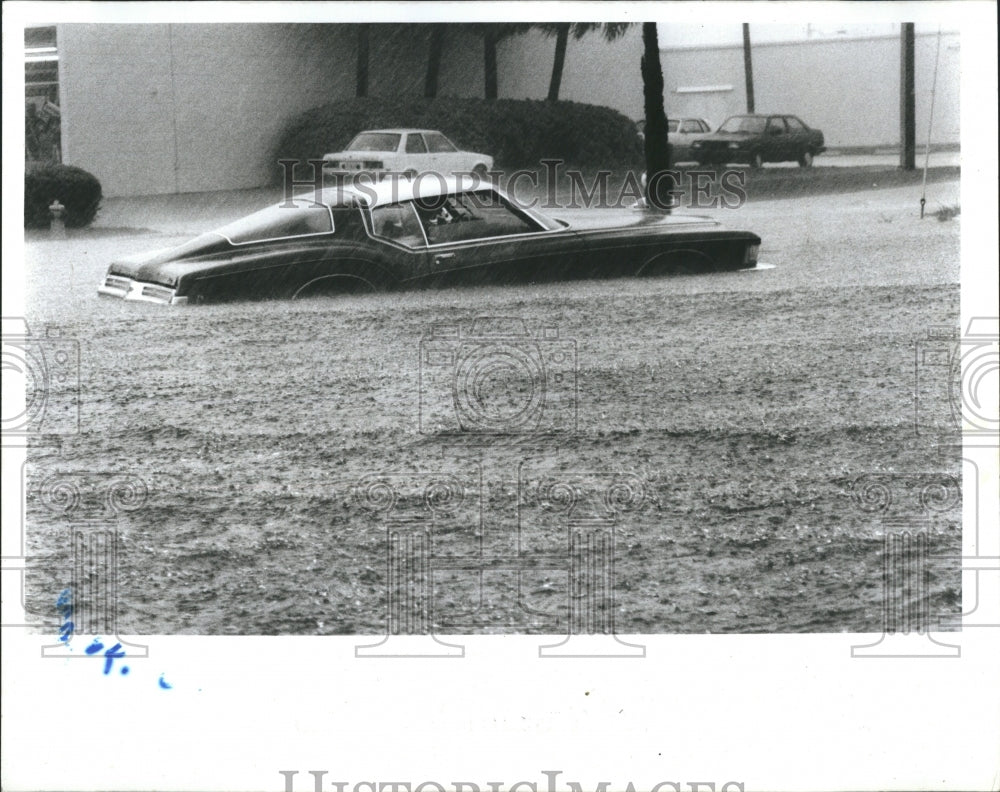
[
  {"x": 696, "y": 144},
  {"x": 750, "y": 257},
  {"x": 734, "y": 145}
]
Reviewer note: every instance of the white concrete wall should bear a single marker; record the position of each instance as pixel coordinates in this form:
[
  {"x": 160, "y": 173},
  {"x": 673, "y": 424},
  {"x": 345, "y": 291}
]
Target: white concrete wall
[
  {"x": 847, "y": 88},
  {"x": 189, "y": 108}
]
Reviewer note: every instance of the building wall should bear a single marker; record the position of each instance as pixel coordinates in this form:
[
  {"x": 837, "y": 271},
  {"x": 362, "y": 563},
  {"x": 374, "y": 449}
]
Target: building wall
[
  {"x": 180, "y": 108},
  {"x": 190, "y": 107},
  {"x": 847, "y": 88}
]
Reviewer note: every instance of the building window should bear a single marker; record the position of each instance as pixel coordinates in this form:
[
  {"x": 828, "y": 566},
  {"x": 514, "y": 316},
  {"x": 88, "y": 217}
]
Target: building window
[{"x": 42, "y": 130}]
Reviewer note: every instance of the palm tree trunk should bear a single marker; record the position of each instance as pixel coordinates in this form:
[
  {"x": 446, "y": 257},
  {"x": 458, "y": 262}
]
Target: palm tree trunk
[
  {"x": 361, "y": 75},
  {"x": 656, "y": 143},
  {"x": 490, "y": 62},
  {"x": 748, "y": 67},
  {"x": 434, "y": 51},
  {"x": 562, "y": 37}
]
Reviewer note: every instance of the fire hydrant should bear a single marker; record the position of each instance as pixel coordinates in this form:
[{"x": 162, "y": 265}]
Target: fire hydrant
[{"x": 58, "y": 226}]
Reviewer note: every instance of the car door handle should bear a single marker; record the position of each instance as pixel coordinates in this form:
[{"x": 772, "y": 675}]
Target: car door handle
[{"x": 439, "y": 257}]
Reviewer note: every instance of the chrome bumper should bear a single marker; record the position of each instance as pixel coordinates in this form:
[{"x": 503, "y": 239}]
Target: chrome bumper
[{"x": 128, "y": 289}]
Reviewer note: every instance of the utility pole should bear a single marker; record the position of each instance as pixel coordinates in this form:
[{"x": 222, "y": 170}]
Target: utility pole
[
  {"x": 748, "y": 66},
  {"x": 907, "y": 100},
  {"x": 361, "y": 71}
]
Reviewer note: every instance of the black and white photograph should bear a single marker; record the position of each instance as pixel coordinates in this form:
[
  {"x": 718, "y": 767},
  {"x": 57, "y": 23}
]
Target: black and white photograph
[{"x": 554, "y": 396}]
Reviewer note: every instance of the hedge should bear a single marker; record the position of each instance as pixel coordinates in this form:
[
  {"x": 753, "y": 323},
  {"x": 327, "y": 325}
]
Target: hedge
[
  {"x": 75, "y": 188},
  {"x": 516, "y": 133}
]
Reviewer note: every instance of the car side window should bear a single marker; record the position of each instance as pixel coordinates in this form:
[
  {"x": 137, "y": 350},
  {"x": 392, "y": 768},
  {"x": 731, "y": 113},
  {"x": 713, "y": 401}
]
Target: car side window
[
  {"x": 469, "y": 216},
  {"x": 415, "y": 144},
  {"x": 776, "y": 126},
  {"x": 690, "y": 126},
  {"x": 398, "y": 223},
  {"x": 794, "y": 124},
  {"x": 703, "y": 127},
  {"x": 438, "y": 143}
]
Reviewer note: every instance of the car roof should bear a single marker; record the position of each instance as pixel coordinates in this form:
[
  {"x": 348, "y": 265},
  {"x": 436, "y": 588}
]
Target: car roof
[
  {"x": 390, "y": 191},
  {"x": 398, "y": 131}
]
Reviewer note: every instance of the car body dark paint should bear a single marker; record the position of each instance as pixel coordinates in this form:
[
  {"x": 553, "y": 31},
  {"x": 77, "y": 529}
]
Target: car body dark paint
[
  {"x": 789, "y": 145},
  {"x": 581, "y": 244}
]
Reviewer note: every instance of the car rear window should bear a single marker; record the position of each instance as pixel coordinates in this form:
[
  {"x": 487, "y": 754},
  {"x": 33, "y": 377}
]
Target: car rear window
[
  {"x": 375, "y": 141},
  {"x": 294, "y": 218}
]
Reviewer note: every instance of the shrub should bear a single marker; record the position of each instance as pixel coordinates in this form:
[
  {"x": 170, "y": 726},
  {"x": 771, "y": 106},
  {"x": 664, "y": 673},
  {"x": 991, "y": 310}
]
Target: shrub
[
  {"x": 76, "y": 189},
  {"x": 516, "y": 133}
]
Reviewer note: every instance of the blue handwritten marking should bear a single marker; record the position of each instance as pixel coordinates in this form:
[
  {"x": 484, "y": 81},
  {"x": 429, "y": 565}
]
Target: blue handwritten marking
[
  {"x": 111, "y": 655},
  {"x": 64, "y": 602}
]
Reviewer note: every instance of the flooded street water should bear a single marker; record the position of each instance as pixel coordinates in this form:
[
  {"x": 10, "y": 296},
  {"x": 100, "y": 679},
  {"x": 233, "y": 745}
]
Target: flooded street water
[{"x": 748, "y": 410}]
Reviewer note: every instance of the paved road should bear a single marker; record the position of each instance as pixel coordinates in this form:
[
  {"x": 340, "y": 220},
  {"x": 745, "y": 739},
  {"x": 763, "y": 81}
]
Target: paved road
[{"x": 938, "y": 159}]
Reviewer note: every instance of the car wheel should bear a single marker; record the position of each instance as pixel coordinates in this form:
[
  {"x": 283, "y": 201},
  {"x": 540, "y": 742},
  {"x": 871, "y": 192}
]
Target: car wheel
[
  {"x": 756, "y": 161},
  {"x": 335, "y": 284},
  {"x": 806, "y": 160},
  {"x": 677, "y": 262}
]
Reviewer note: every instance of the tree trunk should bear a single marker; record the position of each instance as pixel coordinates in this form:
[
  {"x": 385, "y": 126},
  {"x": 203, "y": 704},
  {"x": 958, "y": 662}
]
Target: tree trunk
[
  {"x": 490, "y": 62},
  {"x": 562, "y": 37},
  {"x": 748, "y": 67},
  {"x": 658, "y": 184},
  {"x": 434, "y": 61},
  {"x": 361, "y": 81},
  {"x": 907, "y": 100}
]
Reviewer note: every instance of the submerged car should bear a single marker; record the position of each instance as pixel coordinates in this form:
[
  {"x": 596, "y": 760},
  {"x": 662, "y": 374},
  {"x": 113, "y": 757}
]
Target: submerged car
[
  {"x": 756, "y": 139},
  {"x": 382, "y": 152},
  {"x": 427, "y": 232}
]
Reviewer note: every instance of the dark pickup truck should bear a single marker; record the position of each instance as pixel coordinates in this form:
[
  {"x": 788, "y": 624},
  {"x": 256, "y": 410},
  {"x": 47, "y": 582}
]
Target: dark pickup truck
[{"x": 756, "y": 139}]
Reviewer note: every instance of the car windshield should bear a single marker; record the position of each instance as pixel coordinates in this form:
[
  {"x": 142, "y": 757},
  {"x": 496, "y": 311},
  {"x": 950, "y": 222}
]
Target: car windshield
[
  {"x": 375, "y": 141},
  {"x": 294, "y": 218},
  {"x": 750, "y": 124}
]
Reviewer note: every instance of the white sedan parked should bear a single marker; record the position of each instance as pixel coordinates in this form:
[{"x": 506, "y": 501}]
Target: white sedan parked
[
  {"x": 681, "y": 133},
  {"x": 379, "y": 152}
]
